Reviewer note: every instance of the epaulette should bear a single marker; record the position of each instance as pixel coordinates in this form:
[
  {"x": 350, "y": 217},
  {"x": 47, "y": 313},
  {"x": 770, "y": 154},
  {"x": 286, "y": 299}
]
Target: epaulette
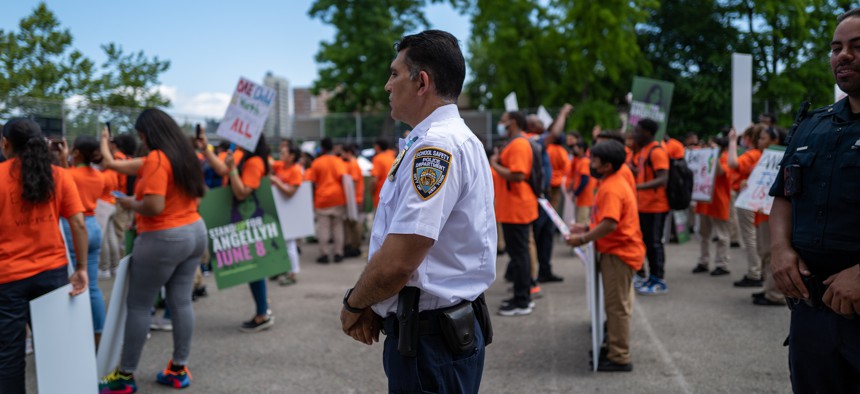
[{"x": 826, "y": 110}]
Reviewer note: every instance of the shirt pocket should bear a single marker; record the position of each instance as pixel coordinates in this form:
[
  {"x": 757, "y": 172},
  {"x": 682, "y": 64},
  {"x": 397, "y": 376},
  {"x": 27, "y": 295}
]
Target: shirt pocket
[{"x": 848, "y": 177}]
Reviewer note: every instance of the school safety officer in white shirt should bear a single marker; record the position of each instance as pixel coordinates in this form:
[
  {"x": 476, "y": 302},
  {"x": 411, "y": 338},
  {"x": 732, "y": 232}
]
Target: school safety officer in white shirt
[{"x": 433, "y": 244}]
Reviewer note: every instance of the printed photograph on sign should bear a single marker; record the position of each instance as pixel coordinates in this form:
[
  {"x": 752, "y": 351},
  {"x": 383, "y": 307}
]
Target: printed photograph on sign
[{"x": 651, "y": 99}]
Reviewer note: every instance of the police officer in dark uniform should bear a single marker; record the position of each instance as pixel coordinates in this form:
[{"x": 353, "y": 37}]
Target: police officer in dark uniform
[{"x": 815, "y": 230}]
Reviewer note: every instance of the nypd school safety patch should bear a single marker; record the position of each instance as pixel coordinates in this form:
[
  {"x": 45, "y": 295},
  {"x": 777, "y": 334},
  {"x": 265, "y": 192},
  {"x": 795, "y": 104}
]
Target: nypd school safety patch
[{"x": 430, "y": 170}]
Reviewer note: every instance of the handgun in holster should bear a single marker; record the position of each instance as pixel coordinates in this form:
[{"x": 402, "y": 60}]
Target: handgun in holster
[{"x": 407, "y": 320}]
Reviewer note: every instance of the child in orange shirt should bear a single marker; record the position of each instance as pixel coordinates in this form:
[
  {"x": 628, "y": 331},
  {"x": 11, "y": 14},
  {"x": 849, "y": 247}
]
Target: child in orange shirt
[
  {"x": 288, "y": 178},
  {"x": 618, "y": 238},
  {"x": 714, "y": 219}
]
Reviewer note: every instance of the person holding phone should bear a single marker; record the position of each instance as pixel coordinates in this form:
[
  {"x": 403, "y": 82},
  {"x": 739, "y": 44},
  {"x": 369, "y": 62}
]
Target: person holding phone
[
  {"x": 35, "y": 195},
  {"x": 170, "y": 242}
]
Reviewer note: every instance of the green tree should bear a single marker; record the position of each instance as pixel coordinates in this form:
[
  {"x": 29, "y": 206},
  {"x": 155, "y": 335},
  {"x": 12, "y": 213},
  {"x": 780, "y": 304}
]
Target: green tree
[
  {"x": 129, "y": 80},
  {"x": 354, "y": 66}
]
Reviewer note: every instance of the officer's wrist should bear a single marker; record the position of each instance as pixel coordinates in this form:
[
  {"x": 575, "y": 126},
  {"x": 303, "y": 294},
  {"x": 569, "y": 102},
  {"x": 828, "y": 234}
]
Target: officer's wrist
[{"x": 346, "y": 305}]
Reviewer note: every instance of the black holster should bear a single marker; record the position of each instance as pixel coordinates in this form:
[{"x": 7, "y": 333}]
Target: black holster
[{"x": 407, "y": 320}]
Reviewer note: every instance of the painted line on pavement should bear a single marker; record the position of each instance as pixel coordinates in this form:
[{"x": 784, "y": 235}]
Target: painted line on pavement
[{"x": 664, "y": 354}]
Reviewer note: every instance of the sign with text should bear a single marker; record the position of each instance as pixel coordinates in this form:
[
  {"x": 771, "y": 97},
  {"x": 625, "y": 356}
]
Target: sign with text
[
  {"x": 296, "y": 213},
  {"x": 553, "y": 215},
  {"x": 651, "y": 99},
  {"x": 742, "y": 84},
  {"x": 703, "y": 163},
  {"x": 755, "y": 196},
  {"x": 249, "y": 107},
  {"x": 245, "y": 237}
]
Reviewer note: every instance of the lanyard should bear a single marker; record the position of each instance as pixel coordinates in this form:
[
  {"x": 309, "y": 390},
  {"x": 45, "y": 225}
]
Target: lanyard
[{"x": 400, "y": 155}]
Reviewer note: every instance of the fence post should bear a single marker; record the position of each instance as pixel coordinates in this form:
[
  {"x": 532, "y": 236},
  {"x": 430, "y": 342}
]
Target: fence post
[
  {"x": 489, "y": 128},
  {"x": 358, "y": 127}
]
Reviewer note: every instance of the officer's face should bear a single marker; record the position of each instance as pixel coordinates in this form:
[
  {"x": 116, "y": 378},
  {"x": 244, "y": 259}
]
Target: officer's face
[
  {"x": 844, "y": 52},
  {"x": 401, "y": 90}
]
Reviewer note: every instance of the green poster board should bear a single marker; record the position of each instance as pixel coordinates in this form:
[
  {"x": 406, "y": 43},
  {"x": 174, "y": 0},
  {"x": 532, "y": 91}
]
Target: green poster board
[
  {"x": 651, "y": 99},
  {"x": 245, "y": 238}
]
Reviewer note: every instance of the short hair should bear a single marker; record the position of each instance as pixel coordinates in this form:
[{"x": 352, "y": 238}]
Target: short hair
[
  {"x": 610, "y": 136},
  {"x": 649, "y": 125},
  {"x": 519, "y": 119},
  {"x": 438, "y": 54},
  {"x": 382, "y": 143},
  {"x": 582, "y": 144},
  {"x": 771, "y": 115},
  {"x": 326, "y": 144},
  {"x": 611, "y": 152},
  {"x": 852, "y": 13},
  {"x": 126, "y": 143}
]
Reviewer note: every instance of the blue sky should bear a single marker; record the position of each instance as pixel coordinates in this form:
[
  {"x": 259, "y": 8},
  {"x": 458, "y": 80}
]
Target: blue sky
[{"x": 209, "y": 43}]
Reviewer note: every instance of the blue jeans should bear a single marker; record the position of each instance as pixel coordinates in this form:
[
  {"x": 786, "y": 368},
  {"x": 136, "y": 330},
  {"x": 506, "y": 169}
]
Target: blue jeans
[
  {"x": 258, "y": 290},
  {"x": 94, "y": 247},
  {"x": 14, "y": 313}
]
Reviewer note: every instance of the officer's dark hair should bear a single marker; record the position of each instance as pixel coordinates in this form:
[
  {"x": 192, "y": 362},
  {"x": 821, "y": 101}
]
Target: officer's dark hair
[
  {"x": 611, "y": 152},
  {"x": 125, "y": 143},
  {"x": 853, "y": 13},
  {"x": 34, "y": 159},
  {"x": 519, "y": 119},
  {"x": 610, "y": 136},
  {"x": 326, "y": 145},
  {"x": 88, "y": 147},
  {"x": 382, "y": 143},
  {"x": 162, "y": 133},
  {"x": 438, "y": 54},
  {"x": 649, "y": 125}
]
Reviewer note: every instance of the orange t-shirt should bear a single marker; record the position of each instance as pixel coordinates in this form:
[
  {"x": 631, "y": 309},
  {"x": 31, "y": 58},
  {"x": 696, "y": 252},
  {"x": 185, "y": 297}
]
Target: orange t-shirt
[
  {"x": 30, "y": 239},
  {"x": 617, "y": 202},
  {"x": 122, "y": 180},
  {"x": 382, "y": 163},
  {"x": 237, "y": 158},
  {"x": 746, "y": 164},
  {"x": 674, "y": 148},
  {"x": 354, "y": 170},
  {"x": 326, "y": 173},
  {"x": 760, "y": 218},
  {"x": 651, "y": 200},
  {"x": 91, "y": 186},
  {"x": 499, "y": 185},
  {"x": 291, "y": 175},
  {"x": 517, "y": 203},
  {"x": 111, "y": 178},
  {"x": 720, "y": 203},
  {"x": 558, "y": 161},
  {"x": 582, "y": 166},
  {"x": 252, "y": 172},
  {"x": 156, "y": 178}
]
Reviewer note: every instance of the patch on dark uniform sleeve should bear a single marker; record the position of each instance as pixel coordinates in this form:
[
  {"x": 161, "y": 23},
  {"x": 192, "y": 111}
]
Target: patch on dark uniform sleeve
[{"x": 430, "y": 170}]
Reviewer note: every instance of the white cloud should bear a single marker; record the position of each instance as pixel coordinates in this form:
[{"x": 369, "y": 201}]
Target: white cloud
[{"x": 205, "y": 104}]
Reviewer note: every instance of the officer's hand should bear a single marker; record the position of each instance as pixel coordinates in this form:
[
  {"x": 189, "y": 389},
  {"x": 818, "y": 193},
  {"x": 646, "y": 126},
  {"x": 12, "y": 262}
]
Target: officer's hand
[
  {"x": 366, "y": 330},
  {"x": 843, "y": 295},
  {"x": 348, "y": 320},
  {"x": 787, "y": 268}
]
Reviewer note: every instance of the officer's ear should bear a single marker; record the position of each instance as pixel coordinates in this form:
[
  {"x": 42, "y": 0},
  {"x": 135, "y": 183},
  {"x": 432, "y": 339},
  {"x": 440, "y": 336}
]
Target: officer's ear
[{"x": 423, "y": 82}]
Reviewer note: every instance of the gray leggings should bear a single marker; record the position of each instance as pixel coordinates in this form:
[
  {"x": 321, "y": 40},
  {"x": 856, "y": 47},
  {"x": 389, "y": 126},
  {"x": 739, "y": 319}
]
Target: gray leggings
[{"x": 162, "y": 258}]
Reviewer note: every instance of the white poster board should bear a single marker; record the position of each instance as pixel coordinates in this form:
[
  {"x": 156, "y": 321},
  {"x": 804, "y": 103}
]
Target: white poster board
[
  {"x": 703, "y": 163},
  {"x": 63, "y": 342},
  {"x": 568, "y": 210},
  {"x": 249, "y": 107},
  {"x": 351, "y": 203},
  {"x": 511, "y": 102},
  {"x": 741, "y": 90},
  {"x": 755, "y": 196},
  {"x": 594, "y": 296},
  {"x": 544, "y": 117},
  {"x": 296, "y": 213},
  {"x": 553, "y": 215},
  {"x": 110, "y": 346}
]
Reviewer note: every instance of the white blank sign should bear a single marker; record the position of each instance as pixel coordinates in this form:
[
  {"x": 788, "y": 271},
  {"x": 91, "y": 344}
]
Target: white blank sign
[{"x": 741, "y": 91}]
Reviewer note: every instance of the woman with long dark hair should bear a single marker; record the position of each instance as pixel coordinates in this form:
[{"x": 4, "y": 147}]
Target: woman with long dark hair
[
  {"x": 35, "y": 196},
  {"x": 170, "y": 242}
]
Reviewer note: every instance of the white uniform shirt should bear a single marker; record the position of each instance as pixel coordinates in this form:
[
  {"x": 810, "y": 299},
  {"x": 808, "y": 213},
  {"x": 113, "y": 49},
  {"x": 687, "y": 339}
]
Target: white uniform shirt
[{"x": 443, "y": 190}]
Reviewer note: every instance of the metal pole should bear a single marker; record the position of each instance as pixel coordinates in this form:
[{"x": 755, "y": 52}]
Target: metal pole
[
  {"x": 489, "y": 128},
  {"x": 358, "y": 127}
]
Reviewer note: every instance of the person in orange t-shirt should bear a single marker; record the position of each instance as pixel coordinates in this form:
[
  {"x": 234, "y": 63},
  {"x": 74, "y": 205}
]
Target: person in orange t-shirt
[
  {"x": 652, "y": 174},
  {"x": 559, "y": 162},
  {"x": 674, "y": 148},
  {"x": 382, "y": 163},
  {"x": 625, "y": 170},
  {"x": 581, "y": 183},
  {"x": 169, "y": 246},
  {"x": 743, "y": 167},
  {"x": 327, "y": 173},
  {"x": 288, "y": 178},
  {"x": 91, "y": 186},
  {"x": 35, "y": 195},
  {"x": 354, "y": 228},
  {"x": 714, "y": 219},
  {"x": 617, "y": 236},
  {"x": 516, "y": 209}
]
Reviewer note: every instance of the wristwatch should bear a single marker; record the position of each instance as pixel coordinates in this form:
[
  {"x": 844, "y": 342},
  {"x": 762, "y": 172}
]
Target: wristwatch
[{"x": 346, "y": 305}]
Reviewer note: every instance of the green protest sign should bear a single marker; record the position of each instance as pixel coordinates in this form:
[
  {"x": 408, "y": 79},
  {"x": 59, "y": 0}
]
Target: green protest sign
[
  {"x": 651, "y": 99},
  {"x": 245, "y": 237}
]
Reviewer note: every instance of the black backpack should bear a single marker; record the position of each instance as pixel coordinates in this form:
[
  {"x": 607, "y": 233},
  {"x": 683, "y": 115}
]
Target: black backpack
[
  {"x": 536, "y": 178},
  {"x": 679, "y": 188}
]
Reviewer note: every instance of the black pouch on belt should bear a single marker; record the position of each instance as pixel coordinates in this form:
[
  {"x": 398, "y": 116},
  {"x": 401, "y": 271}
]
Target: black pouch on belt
[
  {"x": 457, "y": 324},
  {"x": 407, "y": 320}
]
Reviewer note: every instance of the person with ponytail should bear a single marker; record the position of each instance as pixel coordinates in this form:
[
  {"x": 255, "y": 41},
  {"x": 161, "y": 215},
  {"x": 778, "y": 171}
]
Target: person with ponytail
[
  {"x": 91, "y": 184},
  {"x": 171, "y": 238},
  {"x": 35, "y": 196}
]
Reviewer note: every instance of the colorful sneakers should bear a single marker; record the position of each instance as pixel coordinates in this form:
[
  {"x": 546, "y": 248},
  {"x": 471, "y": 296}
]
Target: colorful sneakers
[
  {"x": 176, "y": 379},
  {"x": 640, "y": 281},
  {"x": 654, "y": 286},
  {"x": 117, "y": 383}
]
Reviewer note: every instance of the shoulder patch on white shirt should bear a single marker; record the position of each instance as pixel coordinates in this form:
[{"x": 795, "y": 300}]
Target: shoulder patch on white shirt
[{"x": 430, "y": 170}]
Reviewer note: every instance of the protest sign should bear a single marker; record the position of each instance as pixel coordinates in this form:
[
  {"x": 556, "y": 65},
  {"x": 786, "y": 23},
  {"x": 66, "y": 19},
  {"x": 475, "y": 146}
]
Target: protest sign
[
  {"x": 651, "y": 99},
  {"x": 742, "y": 83},
  {"x": 703, "y": 163},
  {"x": 544, "y": 117},
  {"x": 594, "y": 297},
  {"x": 296, "y": 213},
  {"x": 349, "y": 192},
  {"x": 245, "y": 237},
  {"x": 553, "y": 215},
  {"x": 63, "y": 342},
  {"x": 249, "y": 107},
  {"x": 511, "y": 102},
  {"x": 755, "y": 197},
  {"x": 110, "y": 346}
]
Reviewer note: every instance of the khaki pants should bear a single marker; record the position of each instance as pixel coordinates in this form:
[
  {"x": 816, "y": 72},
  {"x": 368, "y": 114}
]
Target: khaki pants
[
  {"x": 733, "y": 219},
  {"x": 583, "y": 215},
  {"x": 746, "y": 225},
  {"x": 618, "y": 301},
  {"x": 763, "y": 239},
  {"x": 330, "y": 226},
  {"x": 711, "y": 226},
  {"x": 555, "y": 198}
]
